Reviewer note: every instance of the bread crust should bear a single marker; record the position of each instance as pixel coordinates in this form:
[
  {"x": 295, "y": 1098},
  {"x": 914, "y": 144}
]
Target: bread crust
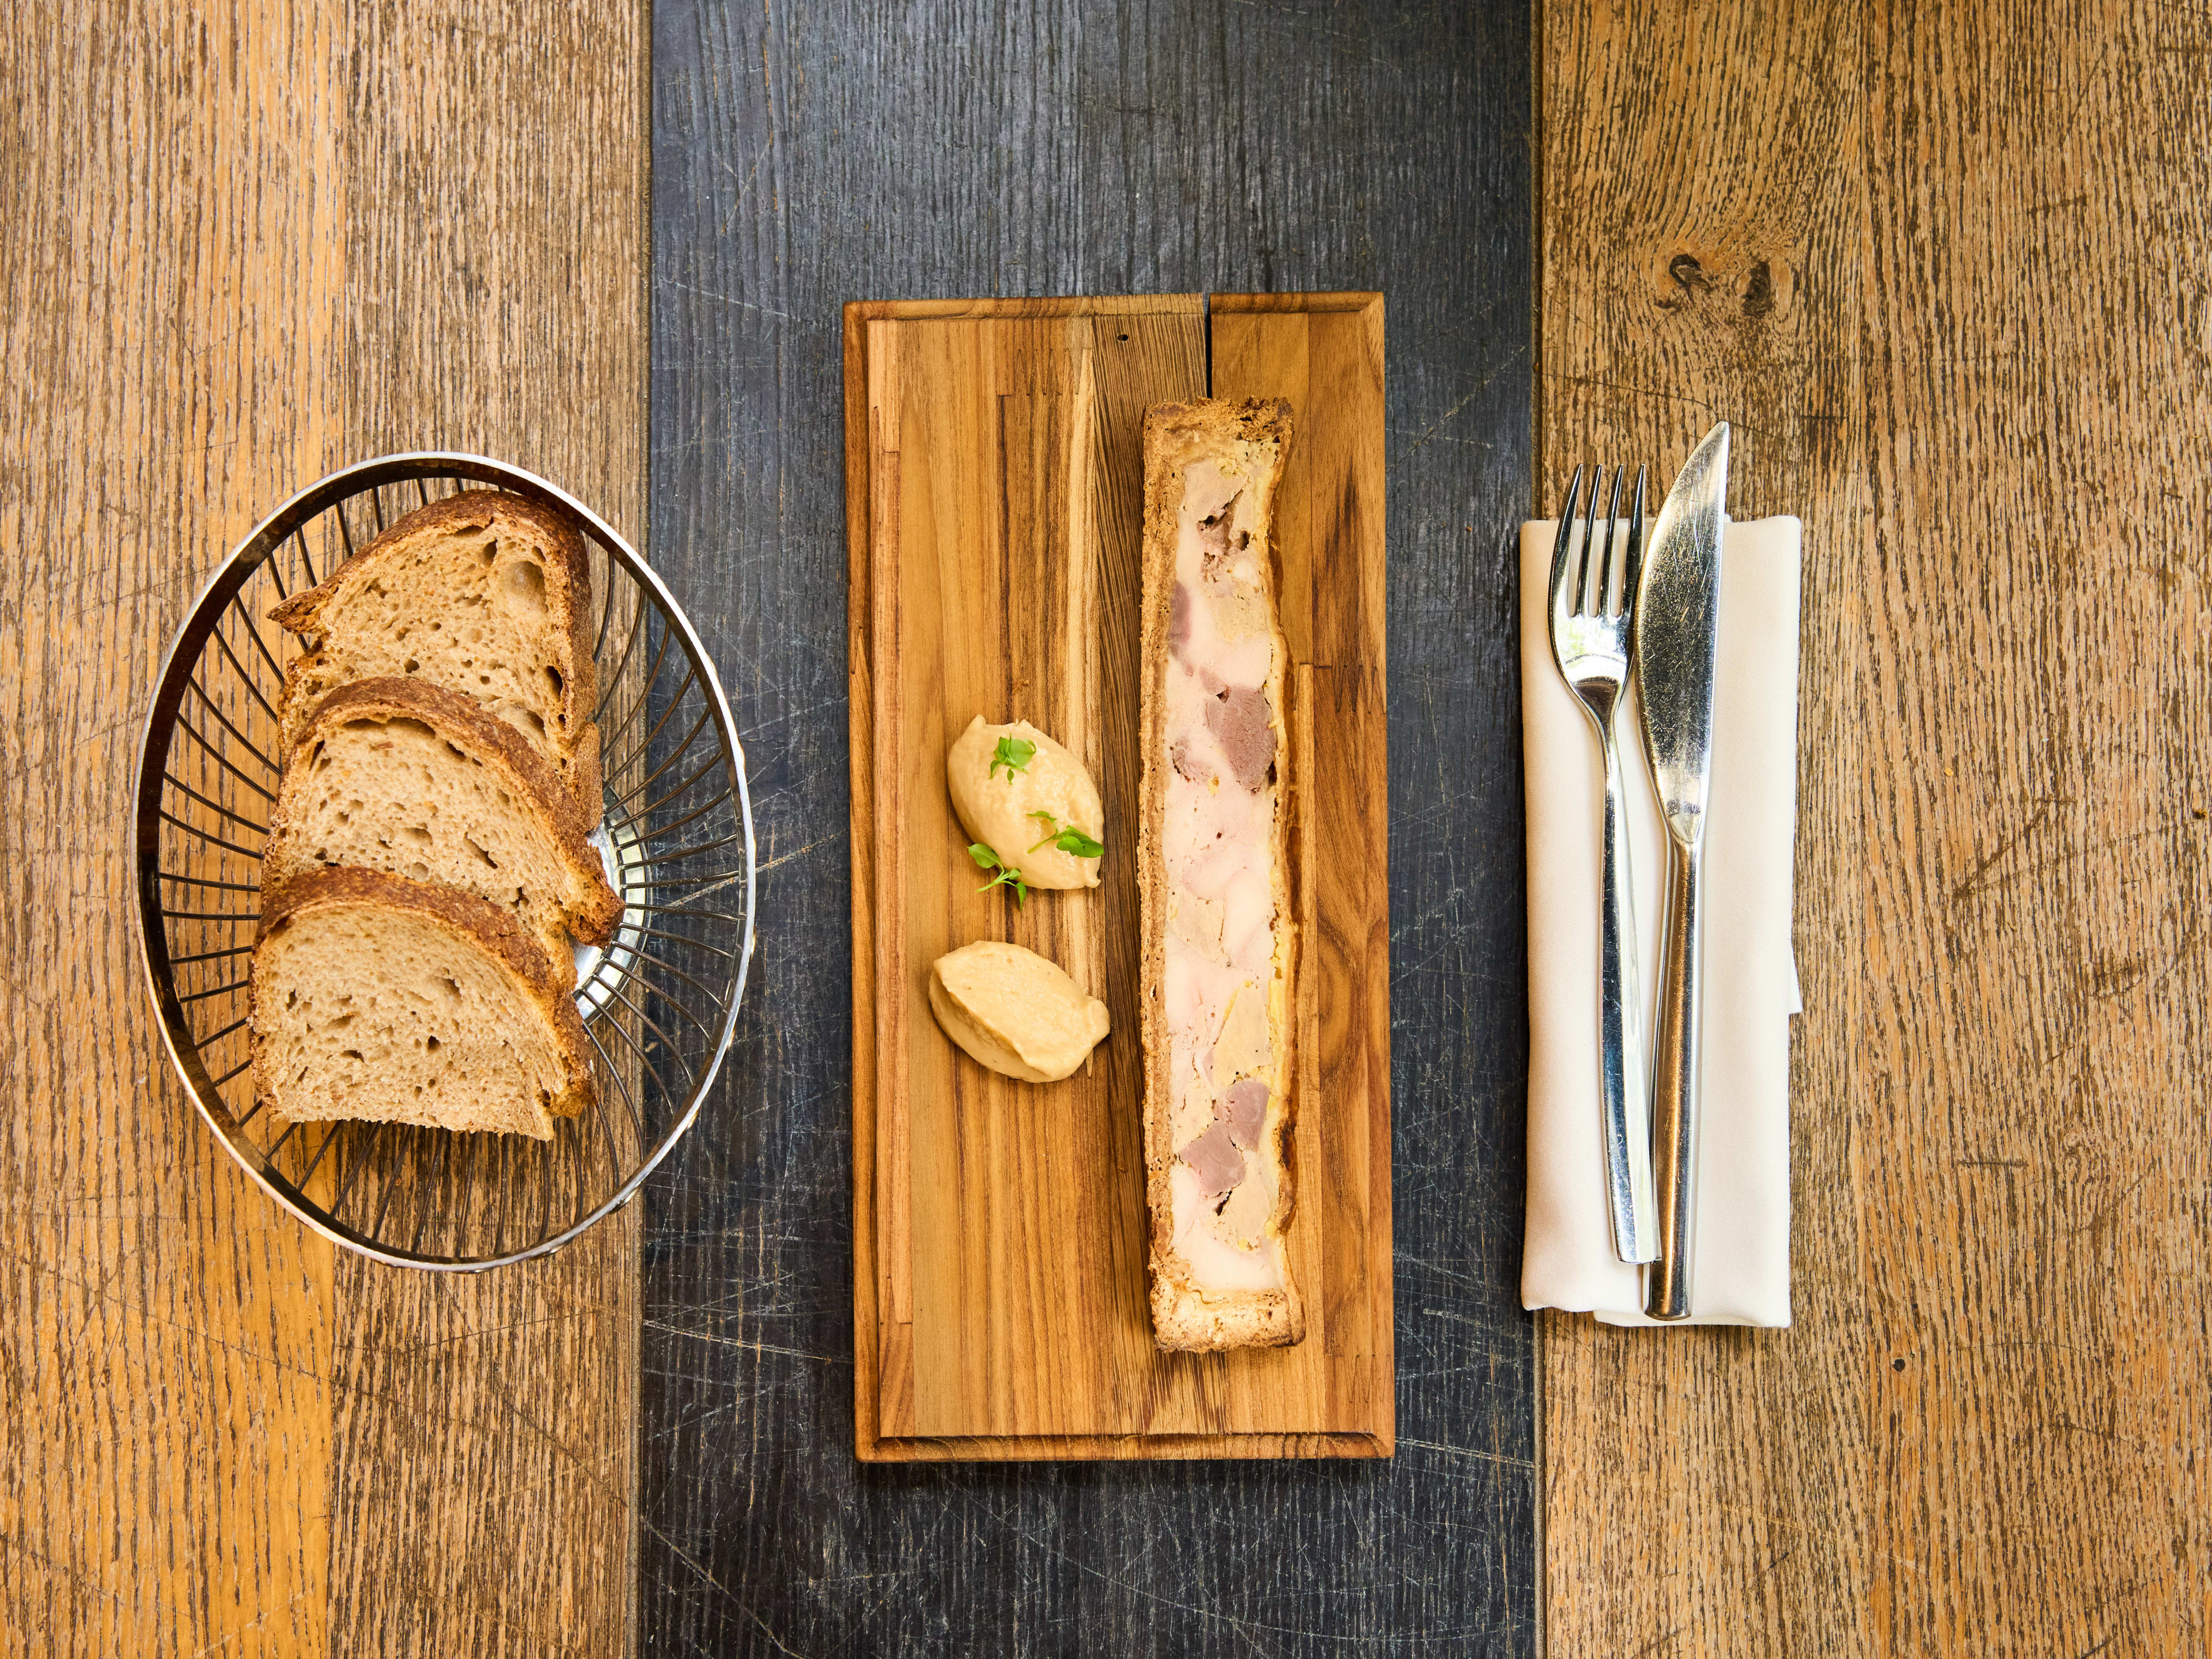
[
  {"x": 478, "y": 921},
  {"x": 1184, "y": 1315},
  {"x": 471, "y": 509},
  {"x": 464, "y": 722}
]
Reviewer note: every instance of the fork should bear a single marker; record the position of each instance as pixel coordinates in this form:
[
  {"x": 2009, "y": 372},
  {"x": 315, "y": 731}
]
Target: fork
[{"x": 1593, "y": 622}]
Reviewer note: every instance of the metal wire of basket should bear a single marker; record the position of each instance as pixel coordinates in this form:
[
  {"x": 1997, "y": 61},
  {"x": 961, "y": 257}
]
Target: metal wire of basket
[{"x": 658, "y": 1003}]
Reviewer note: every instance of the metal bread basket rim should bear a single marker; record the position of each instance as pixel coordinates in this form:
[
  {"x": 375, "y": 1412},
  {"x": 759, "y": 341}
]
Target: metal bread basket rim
[{"x": 178, "y": 665}]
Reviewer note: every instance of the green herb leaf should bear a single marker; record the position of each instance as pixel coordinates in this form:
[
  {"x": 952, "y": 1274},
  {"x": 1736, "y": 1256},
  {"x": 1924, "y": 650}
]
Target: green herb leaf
[
  {"x": 986, "y": 858},
  {"x": 1015, "y": 754},
  {"x": 1069, "y": 840}
]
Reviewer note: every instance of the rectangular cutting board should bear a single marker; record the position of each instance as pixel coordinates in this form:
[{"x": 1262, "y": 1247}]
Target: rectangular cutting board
[{"x": 995, "y": 504}]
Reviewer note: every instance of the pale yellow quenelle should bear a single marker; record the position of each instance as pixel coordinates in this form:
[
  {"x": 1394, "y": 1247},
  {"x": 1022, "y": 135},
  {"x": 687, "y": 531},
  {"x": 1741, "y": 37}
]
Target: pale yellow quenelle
[
  {"x": 999, "y": 808},
  {"x": 1015, "y": 1011}
]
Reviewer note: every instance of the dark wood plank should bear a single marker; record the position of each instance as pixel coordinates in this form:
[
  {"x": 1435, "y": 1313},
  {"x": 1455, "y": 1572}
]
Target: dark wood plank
[
  {"x": 805, "y": 157},
  {"x": 247, "y": 244}
]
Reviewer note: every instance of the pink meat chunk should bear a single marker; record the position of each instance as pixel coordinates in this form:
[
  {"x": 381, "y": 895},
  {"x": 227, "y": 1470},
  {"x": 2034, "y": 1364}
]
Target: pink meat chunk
[
  {"x": 1243, "y": 1109},
  {"x": 1179, "y": 754},
  {"x": 1212, "y": 1156}
]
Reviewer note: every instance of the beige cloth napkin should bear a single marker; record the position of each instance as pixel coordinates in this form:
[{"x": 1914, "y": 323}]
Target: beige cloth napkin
[{"x": 1740, "y": 1274}]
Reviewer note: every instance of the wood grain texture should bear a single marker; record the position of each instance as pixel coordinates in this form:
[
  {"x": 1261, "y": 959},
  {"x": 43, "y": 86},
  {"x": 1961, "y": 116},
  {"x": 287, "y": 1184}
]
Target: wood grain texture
[
  {"x": 805, "y": 157},
  {"x": 1325, "y": 351},
  {"x": 1953, "y": 304},
  {"x": 1701, "y": 204},
  {"x": 1000, "y": 1230},
  {"x": 2037, "y": 1247},
  {"x": 494, "y": 303},
  {"x": 252, "y": 242},
  {"x": 992, "y": 446}
]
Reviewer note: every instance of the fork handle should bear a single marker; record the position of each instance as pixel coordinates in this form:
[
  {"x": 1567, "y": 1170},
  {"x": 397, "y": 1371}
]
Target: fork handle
[
  {"x": 1675, "y": 1087},
  {"x": 1625, "y": 1126}
]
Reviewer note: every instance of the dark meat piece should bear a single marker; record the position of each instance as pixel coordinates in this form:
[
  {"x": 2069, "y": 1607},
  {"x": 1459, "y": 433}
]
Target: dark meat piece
[
  {"x": 1238, "y": 717},
  {"x": 1213, "y": 541},
  {"x": 1178, "y": 621}
]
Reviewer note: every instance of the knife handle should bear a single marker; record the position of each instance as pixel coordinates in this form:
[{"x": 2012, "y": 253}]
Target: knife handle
[
  {"x": 1674, "y": 1088},
  {"x": 1627, "y": 1124}
]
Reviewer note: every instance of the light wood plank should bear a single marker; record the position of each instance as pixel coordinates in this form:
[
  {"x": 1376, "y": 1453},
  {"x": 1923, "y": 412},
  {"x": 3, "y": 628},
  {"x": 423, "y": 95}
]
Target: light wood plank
[
  {"x": 504, "y": 313},
  {"x": 167, "y": 1337},
  {"x": 1002, "y": 505},
  {"x": 1702, "y": 203},
  {"x": 1941, "y": 294},
  {"x": 255, "y": 242},
  {"x": 2039, "y": 429}
]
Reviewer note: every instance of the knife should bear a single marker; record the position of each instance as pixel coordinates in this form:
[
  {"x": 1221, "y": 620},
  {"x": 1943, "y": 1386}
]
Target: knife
[{"x": 1677, "y": 620}]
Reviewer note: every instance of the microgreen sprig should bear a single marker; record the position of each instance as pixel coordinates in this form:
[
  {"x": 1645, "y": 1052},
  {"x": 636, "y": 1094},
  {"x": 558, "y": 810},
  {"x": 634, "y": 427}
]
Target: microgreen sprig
[
  {"x": 1007, "y": 876},
  {"x": 1068, "y": 839},
  {"x": 1015, "y": 754}
]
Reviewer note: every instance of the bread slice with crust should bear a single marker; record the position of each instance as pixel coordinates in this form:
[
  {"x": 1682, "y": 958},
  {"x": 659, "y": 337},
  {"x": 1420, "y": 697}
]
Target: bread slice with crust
[
  {"x": 411, "y": 779},
  {"x": 483, "y": 592},
  {"x": 1219, "y": 930},
  {"x": 377, "y": 997}
]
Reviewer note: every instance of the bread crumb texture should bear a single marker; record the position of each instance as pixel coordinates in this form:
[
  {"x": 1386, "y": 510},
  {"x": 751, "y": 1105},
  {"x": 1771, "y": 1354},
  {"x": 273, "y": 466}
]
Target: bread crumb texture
[
  {"x": 376, "y": 998},
  {"x": 484, "y": 594}
]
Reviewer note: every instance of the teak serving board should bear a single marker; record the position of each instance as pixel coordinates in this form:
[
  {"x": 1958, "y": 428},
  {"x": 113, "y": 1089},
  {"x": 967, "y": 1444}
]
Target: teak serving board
[{"x": 993, "y": 498}]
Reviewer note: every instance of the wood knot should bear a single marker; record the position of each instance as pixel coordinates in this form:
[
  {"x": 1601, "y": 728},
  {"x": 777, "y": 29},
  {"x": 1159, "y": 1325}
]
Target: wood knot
[
  {"x": 1688, "y": 273},
  {"x": 1758, "y": 292}
]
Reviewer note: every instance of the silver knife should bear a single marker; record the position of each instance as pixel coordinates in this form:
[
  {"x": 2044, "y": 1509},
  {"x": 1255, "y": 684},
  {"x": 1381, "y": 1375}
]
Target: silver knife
[{"x": 1677, "y": 620}]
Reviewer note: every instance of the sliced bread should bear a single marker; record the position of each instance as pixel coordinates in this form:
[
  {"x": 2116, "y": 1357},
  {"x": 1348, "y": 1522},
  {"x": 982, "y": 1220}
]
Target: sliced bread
[
  {"x": 483, "y": 592},
  {"x": 411, "y": 779},
  {"x": 377, "y": 997},
  {"x": 1218, "y": 931}
]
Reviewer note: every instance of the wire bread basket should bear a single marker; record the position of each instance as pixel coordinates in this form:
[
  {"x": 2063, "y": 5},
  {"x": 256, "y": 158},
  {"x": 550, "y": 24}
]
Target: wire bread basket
[{"x": 658, "y": 1003}]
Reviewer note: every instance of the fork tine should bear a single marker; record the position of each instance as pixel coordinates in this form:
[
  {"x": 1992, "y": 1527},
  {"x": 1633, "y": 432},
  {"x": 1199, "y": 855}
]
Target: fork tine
[
  {"x": 1565, "y": 536},
  {"x": 1583, "y": 605},
  {"x": 1632, "y": 577},
  {"x": 1603, "y": 607}
]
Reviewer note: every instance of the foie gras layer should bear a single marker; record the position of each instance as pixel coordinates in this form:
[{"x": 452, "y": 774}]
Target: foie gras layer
[{"x": 1227, "y": 944}]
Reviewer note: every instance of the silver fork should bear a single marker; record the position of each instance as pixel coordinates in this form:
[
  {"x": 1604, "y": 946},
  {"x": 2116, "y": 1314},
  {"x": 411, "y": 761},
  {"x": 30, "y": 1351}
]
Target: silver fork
[{"x": 1593, "y": 620}]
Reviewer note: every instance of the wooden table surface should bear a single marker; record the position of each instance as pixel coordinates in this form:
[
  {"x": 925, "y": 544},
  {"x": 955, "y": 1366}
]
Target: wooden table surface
[{"x": 1943, "y": 265}]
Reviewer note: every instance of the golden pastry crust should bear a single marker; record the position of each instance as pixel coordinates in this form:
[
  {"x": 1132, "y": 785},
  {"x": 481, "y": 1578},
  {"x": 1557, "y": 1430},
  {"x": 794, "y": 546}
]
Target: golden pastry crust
[{"x": 1250, "y": 438}]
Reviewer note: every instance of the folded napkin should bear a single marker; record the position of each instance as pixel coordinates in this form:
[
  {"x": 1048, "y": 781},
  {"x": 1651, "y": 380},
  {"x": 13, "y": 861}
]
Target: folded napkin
[{"x": 1739, "y": 1270}]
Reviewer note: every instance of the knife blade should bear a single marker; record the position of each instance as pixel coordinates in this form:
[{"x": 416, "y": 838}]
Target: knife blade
[
  {"x": 1677, "y": 637},
  {"x": 1677, "y": 608}
]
